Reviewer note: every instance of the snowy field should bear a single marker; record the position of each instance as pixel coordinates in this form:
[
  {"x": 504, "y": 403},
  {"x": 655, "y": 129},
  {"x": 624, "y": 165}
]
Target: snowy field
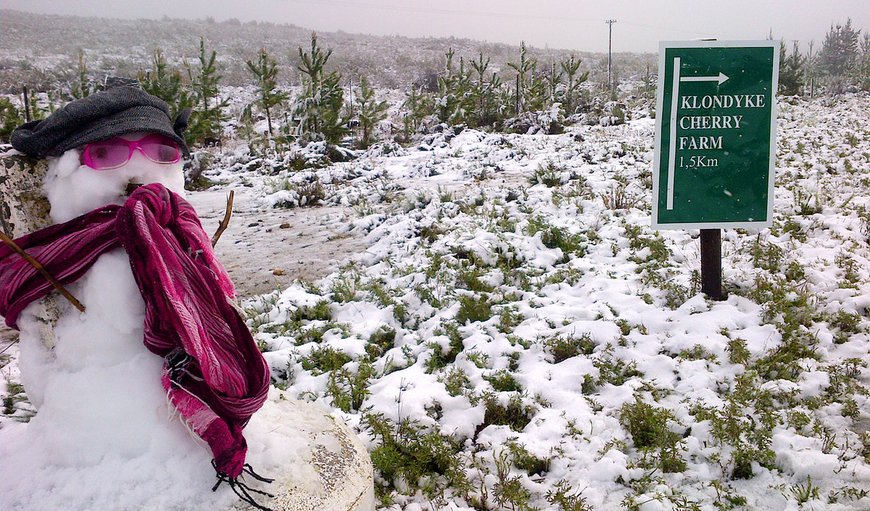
[{"x": 505, "y": 331}]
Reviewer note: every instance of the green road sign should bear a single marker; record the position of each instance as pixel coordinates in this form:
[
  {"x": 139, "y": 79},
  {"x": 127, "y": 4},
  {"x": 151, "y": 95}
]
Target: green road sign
[{"x": 715, "y": 134}]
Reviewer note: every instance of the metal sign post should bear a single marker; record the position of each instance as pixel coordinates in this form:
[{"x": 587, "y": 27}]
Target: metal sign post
[{"x": 715, "y": 142}]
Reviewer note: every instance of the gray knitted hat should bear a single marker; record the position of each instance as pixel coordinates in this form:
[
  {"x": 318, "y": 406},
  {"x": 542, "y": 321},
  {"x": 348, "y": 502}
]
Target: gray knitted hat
[{"x": 106, "y": 114}]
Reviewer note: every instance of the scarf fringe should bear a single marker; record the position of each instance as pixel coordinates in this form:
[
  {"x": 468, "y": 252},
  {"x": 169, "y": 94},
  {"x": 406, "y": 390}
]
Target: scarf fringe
[
  {"x": 174, "y": 414},
  {"x": 242, "y": 490}
]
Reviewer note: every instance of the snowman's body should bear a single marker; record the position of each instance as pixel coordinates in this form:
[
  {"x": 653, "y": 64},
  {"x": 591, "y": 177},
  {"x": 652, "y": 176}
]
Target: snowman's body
[
  {"x": 106, "y": 437},
  {"x": 103, "y": 418}
]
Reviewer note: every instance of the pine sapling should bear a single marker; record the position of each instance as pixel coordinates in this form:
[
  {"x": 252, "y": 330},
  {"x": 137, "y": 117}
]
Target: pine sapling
[
  {"x": 265, "y": 71},
  {"x": 524, "y": 68},
  {"x": 165, "y": 83},
  {"x": 319, "y": 111},
  {"x": 205, "y": 123},
  {"x": 371, "y": 112}
]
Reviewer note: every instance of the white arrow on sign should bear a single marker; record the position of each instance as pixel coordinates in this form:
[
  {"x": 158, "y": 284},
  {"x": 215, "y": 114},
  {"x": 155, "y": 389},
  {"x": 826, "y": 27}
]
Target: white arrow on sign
[
  {"x": 675, "y": 92},
  {"x": 721, "y": 78}
]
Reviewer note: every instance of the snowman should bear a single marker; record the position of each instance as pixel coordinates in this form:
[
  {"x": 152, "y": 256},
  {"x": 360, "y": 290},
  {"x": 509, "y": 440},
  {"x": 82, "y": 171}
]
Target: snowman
[{"x": 144, "y": 398}]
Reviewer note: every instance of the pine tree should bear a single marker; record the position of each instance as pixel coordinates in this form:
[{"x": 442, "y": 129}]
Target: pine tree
[
  {"x": 839, "y": 54},
  {"x": 525, "y": 68},
  {"x": 371, "y": 112},
  {"x": 553, "y": 78},
  {"x": 165, "y": 83},
  {"x": 246, "y": 123},
  {"x": 205, "y": 122},
  {"x": 40, "y": 109},
  {"x": 497, "y": 104},
  {"x": 83, "y": 86},
  {"x": 536, "y": 93},
  {"x": 318, "y": 111},
  {"x": 865, "y": 63},
  {"x": 791, "y": 70},
  {"x": 10, "y": 118},
  {"x": 649, "y": 87},
  {"x": 265, "y": 70},
  {"x": 454, "y": 98},
  {"x": 573, "y": 93},
  {"x": 482, "y": 93},
  {"x": 418, "y": 105}
]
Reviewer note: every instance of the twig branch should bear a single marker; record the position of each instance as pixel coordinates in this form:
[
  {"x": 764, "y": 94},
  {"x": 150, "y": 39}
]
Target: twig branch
[
  {"x": 226, "y": 221},
  {"x": 33, "y": 262},
  {"x": 13, "y": 342}
]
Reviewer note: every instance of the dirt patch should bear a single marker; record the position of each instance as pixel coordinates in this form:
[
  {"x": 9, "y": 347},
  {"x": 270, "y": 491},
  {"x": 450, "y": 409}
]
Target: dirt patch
[{"x": 267, "y": 250}]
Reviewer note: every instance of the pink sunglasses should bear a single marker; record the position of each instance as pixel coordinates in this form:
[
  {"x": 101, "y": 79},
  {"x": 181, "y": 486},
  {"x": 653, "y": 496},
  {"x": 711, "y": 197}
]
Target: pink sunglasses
[{"x": 115, "y": 152}]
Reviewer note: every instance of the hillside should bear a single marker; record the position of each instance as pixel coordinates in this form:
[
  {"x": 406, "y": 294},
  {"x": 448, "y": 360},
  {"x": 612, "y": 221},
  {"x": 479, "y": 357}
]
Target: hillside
[{"x": 41, "y": 50}]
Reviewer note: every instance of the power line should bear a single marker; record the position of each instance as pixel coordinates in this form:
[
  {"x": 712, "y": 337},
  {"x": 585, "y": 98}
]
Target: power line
[{"x": 671, "y": 29}]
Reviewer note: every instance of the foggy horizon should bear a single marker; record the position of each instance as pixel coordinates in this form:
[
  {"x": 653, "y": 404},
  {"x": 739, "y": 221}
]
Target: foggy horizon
[{"x": 579, "y": 26}]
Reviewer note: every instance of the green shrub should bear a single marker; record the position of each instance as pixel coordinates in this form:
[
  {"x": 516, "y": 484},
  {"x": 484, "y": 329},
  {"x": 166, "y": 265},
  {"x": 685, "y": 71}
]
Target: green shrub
[
  {"x": 658, "y": 251},
  {"x": 649, "y": 430},
  {"x": 469, "y": 278},
  {"x": 315, "y": 333},
  {"x": 10, "y": 118},
  {"x": 472, "y": 309},
  {"x": 515, "y": 414},
  {"x": 509, "y": 319},
  {"x": 382, "y": 340},
  {"x": 743, "y": 426},
  {"x": 563, "y": 348},
  {"x": 349, "y": 390},
  {"x": 785, "y": 360},
  {"x": 414, "y": 455},
  {"x": 318, "y": 312},
  {"x": 696, "y": 352},
  {"x": 846, "y": 324},
  {"x": 439, "y": 358},
  {"x": 509, "y": 490},
  {"x": 849, "y": 267},
  {"x": 524, "y": 460},
  {"x": 554, "y": 237},
  {"x": 346, "y": 286},
  {"x": 503, "y": 381},
  {"x": 324, "y": 359},
  {"x": 611, "y": 370},
  {"x": 766, "y": 255},
  {"x": 738, "y": 353},
  {"x": 548, "y": 174},
  {"x": 564, "y": 496},
  {"x": 455, "y": 381}
]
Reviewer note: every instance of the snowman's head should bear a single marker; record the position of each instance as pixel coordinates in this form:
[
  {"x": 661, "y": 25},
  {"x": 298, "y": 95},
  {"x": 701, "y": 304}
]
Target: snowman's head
[
  {"x": 107, "y": 171},
  {"x": 103, "y": 146}
]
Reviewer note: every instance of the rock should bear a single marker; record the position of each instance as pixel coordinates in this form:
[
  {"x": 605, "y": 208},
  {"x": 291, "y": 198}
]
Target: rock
[
  {"x": 330, "y": 469},
  {"x": 23, "y": 207}
]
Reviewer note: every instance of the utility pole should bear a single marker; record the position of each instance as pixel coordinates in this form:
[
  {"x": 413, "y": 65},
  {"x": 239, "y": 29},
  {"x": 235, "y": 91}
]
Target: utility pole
[
  {"x": 609, "y": 48},
  {"x": 811, "y": 69}
]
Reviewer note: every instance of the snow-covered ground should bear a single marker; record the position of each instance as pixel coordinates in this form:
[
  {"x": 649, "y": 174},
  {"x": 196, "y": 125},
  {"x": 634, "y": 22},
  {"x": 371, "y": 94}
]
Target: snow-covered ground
[{"x": 505, "y": 331}]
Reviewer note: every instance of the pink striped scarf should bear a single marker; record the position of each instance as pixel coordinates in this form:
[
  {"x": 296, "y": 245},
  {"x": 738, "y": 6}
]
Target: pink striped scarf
[{"x": 213, "y": 373}]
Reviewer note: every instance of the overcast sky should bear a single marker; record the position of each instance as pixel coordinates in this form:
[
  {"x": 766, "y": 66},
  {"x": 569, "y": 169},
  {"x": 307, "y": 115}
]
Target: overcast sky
[{"x": 571, "y": 24}]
